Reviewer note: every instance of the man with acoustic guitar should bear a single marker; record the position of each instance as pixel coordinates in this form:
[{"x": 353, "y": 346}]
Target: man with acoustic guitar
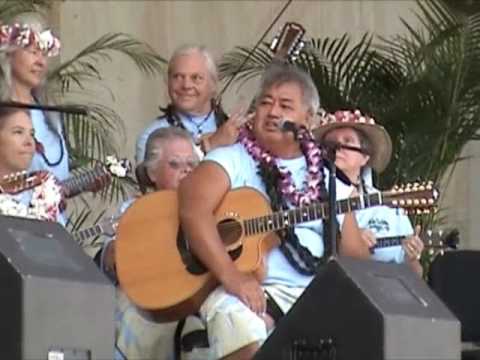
[{"x": 240, "y": 312}]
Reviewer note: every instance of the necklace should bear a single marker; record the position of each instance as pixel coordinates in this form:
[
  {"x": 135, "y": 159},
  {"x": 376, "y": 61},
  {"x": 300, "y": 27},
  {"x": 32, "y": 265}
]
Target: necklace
[
  {"x": 285, "y": 181},
  {"x": 199, "y": 126}
]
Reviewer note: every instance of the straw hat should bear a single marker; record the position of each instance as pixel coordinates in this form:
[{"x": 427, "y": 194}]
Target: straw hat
[{"x": 380, "y": 141}]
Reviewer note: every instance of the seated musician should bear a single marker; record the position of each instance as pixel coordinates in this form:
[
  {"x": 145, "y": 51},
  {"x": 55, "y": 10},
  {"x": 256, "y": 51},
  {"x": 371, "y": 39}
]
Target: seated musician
[
  {"x": 192, "y": 86},
  {"x": 371, "y": 146},
  {"x": 17, "y": 147},
  {"x": 289, "y": 174},
  {"x": 169, "y": 157}
]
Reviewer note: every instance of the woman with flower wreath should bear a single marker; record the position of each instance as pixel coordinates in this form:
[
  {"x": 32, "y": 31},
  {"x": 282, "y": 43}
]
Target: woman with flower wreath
[
  {"x": 363, "y": 144},
  {"x": 17, "y": 146},
  {"x": 25, "y": 46},
  {"x": 237, "y": 313}
]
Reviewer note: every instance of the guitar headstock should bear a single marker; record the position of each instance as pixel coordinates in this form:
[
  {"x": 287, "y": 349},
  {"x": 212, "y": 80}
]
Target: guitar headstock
[
  {"x": 21, "y": 181},
  {"x": 289, "y": 41},
  {"x": 436, "y": 242},
  {"x": 415, "y": 198}
]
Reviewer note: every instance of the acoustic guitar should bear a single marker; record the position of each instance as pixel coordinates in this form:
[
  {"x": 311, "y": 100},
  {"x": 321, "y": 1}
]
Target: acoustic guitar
[{"x": 158, "y": 272}]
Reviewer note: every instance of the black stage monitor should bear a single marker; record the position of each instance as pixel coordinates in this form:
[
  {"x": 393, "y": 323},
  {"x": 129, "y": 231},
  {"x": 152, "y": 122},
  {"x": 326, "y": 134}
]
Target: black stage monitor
[
  {"x": 54, "y": 302},
  {"x": 365, "y": 310}
]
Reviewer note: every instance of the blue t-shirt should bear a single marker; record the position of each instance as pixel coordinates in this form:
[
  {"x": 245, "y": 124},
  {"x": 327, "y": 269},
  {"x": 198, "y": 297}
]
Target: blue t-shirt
[
  {"x": 193, "y": 124},
  {"x": 241, "y": 169},
  {"x": 52, "y": 145}
]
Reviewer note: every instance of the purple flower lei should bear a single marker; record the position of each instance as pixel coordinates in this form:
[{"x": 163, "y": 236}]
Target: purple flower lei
[{"x": 285, "y": 183}]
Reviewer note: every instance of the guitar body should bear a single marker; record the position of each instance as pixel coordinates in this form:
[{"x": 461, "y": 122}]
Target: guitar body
[{"x": 154, "y": 266}]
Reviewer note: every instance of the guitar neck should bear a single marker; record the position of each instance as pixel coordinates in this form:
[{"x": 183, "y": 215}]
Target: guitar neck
[
  {"x": 286, "y": 218},
  {"x": 79, "y": 183},
  {"x": 82, "y": 235}
]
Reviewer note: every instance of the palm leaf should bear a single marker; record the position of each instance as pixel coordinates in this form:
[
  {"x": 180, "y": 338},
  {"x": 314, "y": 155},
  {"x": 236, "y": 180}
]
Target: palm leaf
[
  {"x": 83, "y": 67},
  {"x": 9, "y": 8}
]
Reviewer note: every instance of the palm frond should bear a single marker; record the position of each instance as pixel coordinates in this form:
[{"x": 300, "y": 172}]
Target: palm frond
[
  {"x": 9, "y": 8},
  {"x": 83, "y": 67}
]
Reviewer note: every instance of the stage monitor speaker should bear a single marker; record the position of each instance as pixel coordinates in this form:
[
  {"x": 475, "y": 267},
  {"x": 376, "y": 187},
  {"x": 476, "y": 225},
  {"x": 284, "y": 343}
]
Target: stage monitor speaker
[
  {"x": 54, "y": 302},
  {"x": 365, "y": 310}
]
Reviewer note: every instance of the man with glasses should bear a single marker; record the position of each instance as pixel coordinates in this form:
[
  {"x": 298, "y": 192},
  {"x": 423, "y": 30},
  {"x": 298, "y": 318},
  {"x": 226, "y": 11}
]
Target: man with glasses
[{"x": 169, "y": 157}]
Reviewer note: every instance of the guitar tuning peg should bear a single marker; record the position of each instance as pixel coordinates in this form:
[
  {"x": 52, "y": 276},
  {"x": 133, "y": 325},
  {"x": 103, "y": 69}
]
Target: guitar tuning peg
[
  {"x": 274, "y": 43},
  {"x": 426, "y": 211},
  {"x": 429, "y": 232}
]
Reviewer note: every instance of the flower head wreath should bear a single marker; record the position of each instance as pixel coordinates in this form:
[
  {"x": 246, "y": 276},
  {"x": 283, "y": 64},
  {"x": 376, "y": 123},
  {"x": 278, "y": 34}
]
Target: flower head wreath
[{"x": 23, "y": 35}]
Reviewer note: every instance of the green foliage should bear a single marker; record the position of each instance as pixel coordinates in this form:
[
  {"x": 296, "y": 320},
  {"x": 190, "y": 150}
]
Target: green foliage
[{"x": 422, "y": 85}]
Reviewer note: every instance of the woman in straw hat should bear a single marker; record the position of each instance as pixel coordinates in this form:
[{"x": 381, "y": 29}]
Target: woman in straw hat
[{"x": 363, "y": 145}]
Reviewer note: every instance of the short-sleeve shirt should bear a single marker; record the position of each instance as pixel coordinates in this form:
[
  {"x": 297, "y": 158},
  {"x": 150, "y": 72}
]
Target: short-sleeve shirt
[{"x": 193, "y": 124}]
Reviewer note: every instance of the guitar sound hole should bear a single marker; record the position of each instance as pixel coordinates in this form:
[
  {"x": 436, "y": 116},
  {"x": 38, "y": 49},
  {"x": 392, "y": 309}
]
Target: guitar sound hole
[{"x": 230, "y": 231}]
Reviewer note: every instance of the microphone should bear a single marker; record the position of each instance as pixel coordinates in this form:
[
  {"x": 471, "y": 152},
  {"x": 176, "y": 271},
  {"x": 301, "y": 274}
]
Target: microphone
[
  {"x": 335, "y": 146},
  {"x": 286, "y": 125}
]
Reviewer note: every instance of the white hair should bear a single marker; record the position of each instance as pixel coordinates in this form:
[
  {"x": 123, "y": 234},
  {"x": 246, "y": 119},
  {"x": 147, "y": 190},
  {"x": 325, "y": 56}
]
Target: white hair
[
  {"x": 38, "y": 23},
  {"x": 281, "y": 74},
  {"x": 196, "y": 49}
]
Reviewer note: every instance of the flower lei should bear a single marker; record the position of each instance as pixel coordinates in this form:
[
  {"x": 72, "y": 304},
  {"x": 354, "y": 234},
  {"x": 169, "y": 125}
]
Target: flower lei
[
  {"x": 285, "y": 182},
  {"x": 280, "y": 188},
  {"x": 44, "y": 205},
  {"x": 23, "y": 35}
]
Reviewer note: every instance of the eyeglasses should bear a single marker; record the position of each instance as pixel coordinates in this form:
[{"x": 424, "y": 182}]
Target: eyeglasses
[{"x": 177, "y": 163}]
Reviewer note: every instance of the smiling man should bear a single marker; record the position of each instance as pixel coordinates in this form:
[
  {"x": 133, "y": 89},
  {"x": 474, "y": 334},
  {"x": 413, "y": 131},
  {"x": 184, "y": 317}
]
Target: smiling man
[{"x": 192, "y": 87}]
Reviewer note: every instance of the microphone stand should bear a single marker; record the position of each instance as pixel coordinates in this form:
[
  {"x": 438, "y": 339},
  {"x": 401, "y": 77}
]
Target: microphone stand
[
  {"x": 332, "y": 200},
  {"x": 62, "y": 109}
]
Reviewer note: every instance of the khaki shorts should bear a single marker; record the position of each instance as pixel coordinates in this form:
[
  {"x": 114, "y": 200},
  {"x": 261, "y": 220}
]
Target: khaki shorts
[{"x": 231, "y": 325}]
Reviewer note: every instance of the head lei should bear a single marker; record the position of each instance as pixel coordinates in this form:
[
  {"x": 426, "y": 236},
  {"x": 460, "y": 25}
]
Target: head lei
[{"x": 23, "y": 35}]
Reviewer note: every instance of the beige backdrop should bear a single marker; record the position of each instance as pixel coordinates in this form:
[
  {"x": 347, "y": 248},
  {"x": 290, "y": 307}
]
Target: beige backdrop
[{"x": 221, "y": 25}]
